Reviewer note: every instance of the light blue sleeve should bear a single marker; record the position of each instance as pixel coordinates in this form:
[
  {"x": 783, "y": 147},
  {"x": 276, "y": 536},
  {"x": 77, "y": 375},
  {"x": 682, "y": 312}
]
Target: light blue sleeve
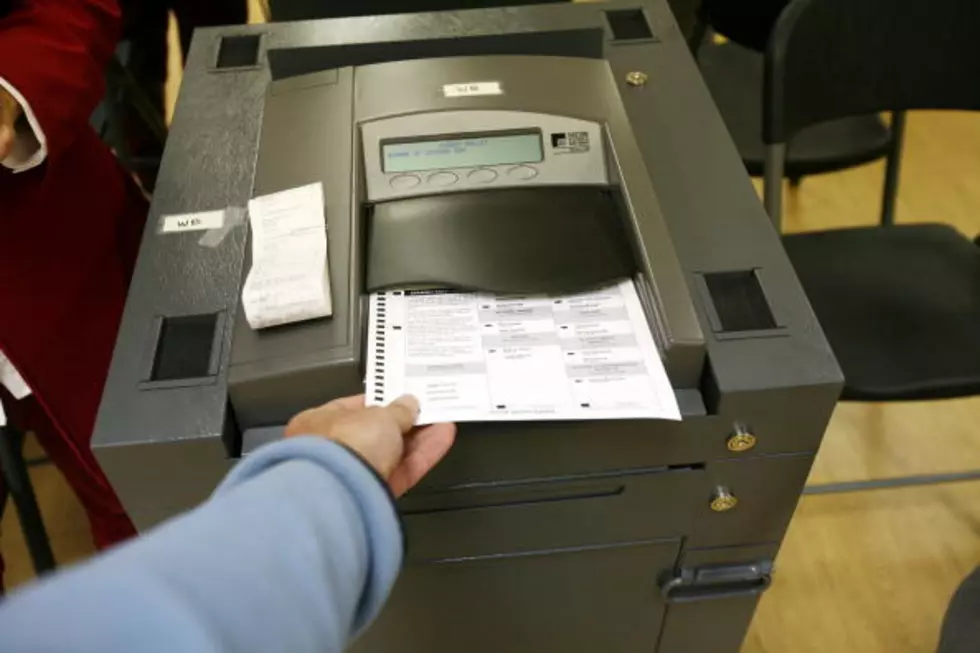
[{"x": 296, "y": 551}]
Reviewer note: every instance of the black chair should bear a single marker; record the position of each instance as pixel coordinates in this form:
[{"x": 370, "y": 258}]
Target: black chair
[
  {"x": 961, "y": 624},
  {"x": 127, "y": 101},
  {"x": 734, "y": 72},
  {"x": 124, "y": 92},
  {"x": 17, "y": 486},
  {"x": 899, "y": 304},
  {"x": 746, "y": 22}
]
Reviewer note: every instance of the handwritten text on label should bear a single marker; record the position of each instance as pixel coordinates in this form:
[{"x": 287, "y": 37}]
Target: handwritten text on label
[
  {"x": 192, "y": 221},
  {"x": 472, "y": 88}
]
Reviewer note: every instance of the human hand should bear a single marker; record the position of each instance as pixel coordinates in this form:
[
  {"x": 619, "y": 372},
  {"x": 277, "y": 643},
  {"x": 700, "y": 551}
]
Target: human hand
[
  {"x": 9, "y": 112},
  {"x": 384, "y": 436}
]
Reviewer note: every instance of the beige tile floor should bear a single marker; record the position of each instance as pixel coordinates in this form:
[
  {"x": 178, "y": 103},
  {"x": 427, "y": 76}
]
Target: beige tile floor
[
  {"x": 872, "y": 572},
  {"x": 862, "y": 573}
]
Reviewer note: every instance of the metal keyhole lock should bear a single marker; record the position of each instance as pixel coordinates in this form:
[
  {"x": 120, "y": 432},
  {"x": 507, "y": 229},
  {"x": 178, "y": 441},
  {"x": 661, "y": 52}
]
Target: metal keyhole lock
[
  {"x": 740, "y": 440},
  {"x": 637, "y": 78},
  {"x": 723, "y": 500}
]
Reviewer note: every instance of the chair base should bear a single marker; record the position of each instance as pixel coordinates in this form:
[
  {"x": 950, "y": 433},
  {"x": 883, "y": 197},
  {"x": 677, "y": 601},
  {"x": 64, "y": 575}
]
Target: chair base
[{"x": 892, "y": 483}]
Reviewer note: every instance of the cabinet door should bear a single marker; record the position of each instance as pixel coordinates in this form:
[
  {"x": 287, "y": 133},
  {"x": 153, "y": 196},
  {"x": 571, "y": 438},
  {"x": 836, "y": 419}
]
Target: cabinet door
[
  {"x": 593, "y": 600},
  {"x": 550, "y": 514}
]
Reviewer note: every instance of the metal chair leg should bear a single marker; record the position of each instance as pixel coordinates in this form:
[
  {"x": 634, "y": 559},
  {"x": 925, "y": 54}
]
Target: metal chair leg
[
  {"x": 772, "y": 183},
  {"x": 699, "y": 33},
  {"x": 892, "y": 169},
  {"x": 892, "y": 483},
  {"x": 18, "y": 481},
  {"x": 123, "y": 81}
]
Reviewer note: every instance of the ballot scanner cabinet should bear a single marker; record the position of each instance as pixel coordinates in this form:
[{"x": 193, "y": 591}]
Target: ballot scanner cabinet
[
  {"x": 614, "y": 536},
  {"x": 574, "y": 564}
]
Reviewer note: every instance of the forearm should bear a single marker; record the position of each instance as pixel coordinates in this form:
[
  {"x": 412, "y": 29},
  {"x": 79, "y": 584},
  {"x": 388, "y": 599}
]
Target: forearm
[{"x": 296, "y": 551}]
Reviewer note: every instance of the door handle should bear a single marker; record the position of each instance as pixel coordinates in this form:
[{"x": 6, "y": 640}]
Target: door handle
[{"x": 688, "y": 584}]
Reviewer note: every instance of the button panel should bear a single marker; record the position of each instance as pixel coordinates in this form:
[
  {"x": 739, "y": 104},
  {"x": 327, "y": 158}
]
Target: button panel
[
  {"x": 404, "y": 182},
  {"x": 522, "y": 173},
  {"x": 426, "y": 182},
  {"x": 443, "y": 178},
  {"x": 482, "y": 175}
]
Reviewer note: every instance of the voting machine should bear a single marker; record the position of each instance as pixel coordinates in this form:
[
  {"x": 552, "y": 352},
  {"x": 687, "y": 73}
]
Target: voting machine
[{"x": 538, "y": 151}]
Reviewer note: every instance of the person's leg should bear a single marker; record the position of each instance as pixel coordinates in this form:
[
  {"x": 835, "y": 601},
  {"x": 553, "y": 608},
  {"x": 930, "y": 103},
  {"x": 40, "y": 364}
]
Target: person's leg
[
  {"x": 75, "y": 460},
  {"x": 192, "y": 14}
]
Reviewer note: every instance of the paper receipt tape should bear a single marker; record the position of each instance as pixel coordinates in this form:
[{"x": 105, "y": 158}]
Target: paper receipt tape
[{"x": 289, "y": 280}]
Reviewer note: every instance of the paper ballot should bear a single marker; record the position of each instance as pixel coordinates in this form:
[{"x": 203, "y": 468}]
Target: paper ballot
[
  {"x": 478, "y": 357},
  {"x": 289, "y": 280}
]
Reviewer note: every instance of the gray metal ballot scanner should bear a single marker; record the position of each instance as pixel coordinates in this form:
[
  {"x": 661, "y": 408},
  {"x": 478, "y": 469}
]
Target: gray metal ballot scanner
[{"x": 575, "y": 144}]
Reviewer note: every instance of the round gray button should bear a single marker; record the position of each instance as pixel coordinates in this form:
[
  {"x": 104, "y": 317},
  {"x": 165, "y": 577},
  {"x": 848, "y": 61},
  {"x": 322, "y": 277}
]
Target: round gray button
[
  {"x": 523, "y": 173},
  {"x": 482, "y": 176},
  {"x": 404, "y": 182},
  {"x": 443, "y": 178}
]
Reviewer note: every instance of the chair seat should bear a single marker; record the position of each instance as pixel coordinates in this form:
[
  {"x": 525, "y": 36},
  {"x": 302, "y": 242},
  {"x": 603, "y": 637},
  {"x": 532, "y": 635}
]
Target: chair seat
[
  {"x": 900, "y": 306},
  {"x": 734, "y": 76},
  {"x": 961, "y": 625}
]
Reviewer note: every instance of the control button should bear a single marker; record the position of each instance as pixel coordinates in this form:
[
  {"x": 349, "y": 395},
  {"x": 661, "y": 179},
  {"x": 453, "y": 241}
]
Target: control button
[
  {"x": 522, "y": 173},
  {"x": 404, "y": 182},
  {"x": 443, "y": 178},
  {"x": 482, "y": 176}
]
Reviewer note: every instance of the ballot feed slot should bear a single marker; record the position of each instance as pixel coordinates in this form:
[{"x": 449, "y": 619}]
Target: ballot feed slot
[
  {"x": 523, "y": 241},
  {"x": 500, "y": 518},
  {"x": 508, "y": 494},
  {"x": 541, "y": 496}
]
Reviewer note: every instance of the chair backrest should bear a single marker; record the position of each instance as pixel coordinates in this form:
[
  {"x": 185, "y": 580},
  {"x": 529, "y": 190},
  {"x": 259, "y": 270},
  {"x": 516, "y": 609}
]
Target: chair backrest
[{"x": 830, "y": 59}]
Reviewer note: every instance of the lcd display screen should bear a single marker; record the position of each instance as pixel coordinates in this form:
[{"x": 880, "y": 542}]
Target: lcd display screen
[{"x": 469, "y": 152}]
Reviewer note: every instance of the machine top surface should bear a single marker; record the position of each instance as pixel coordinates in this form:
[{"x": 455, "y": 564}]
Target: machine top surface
[{"x": 711, "y": 212}]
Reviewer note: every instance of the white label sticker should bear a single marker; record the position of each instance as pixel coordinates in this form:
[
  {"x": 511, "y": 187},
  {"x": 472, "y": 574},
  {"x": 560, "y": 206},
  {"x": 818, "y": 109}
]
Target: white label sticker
[
  {"x": 472, "y": 88},
  {"x": 192, "y": 222}
]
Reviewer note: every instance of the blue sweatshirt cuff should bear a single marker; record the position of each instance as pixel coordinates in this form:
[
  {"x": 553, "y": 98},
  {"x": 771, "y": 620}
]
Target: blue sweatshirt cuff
[{"x": 373, "y": 499}]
